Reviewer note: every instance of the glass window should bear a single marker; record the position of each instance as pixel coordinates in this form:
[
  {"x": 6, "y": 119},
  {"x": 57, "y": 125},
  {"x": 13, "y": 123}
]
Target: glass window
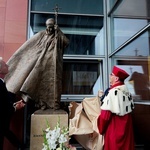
[
  {"x": 125, "y": 29},
  {"x": 138, "y": 82},
  {"x": 127, "y": 20},
  {"x": 138, "y": 65},
  {"x": 112, "y": 3},
  {"x": 82, "y": 77},
  {"x": 69, "y": 6},
  {"x": 85, "y": 33},
  {"x": 139, "y": 47},
  {"x": 130, "y": 8},
  {"x": 83, "y": 24}
]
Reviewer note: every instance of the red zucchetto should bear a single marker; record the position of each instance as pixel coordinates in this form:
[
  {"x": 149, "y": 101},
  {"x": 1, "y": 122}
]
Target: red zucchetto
[{"x": 120, "y": 73}]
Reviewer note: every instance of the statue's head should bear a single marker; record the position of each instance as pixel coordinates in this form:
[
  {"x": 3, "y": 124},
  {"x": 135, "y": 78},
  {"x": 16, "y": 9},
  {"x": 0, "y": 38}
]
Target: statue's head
[{"x": 50, "y": 25}]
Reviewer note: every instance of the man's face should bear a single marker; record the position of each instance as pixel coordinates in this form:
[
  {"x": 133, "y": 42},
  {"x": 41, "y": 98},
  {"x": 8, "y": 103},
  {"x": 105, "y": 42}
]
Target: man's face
[
  {"x": 50, "y": 26},
  {"x": 113, "y": 79},
  {"x": 4, "y": 68}
]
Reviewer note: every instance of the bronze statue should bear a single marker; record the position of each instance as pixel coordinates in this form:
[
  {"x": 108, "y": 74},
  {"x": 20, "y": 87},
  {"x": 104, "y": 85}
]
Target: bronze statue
[{"x": 36, "y": 67}]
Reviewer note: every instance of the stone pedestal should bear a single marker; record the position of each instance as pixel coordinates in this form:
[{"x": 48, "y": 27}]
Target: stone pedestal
[{"x": 38, "y": 123}]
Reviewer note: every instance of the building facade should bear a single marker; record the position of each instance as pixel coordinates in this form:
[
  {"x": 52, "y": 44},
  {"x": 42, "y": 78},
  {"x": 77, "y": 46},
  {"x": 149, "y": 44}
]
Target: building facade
[{"x": 102, "y": 33}]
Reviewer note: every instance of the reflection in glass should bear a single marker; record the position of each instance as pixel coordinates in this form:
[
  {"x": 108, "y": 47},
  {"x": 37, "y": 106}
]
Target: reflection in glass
[
  {"x": 81, "y": 77},
  {"x": 139, "y": 47},
  {"x": 112, "y": 3},
  {"x": 131, "y": 8},
  {"x": 69, "y": 6},
  {"x": 85, "y": 33},
  {"x": 85, "y": 44},
  {"x": 138, "y": 82},
  {"x": 125, "y": 29}
]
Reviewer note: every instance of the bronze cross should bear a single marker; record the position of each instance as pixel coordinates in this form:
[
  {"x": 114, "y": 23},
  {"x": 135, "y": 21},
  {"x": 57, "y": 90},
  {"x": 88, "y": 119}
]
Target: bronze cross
[{"x": 56, "y": 9}]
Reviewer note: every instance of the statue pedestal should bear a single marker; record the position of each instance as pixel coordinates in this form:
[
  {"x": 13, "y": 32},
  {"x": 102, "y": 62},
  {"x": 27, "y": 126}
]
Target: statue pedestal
[{"x": 38, "y": 123}]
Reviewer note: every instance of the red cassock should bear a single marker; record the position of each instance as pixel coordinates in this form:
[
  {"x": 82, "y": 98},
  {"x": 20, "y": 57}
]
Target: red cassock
[
  {"x": 115, "y": 120},
  {"x": 117, "y": 131}
]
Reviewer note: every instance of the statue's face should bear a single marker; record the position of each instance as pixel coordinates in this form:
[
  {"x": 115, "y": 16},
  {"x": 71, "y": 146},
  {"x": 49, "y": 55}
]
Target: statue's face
[{"x": 50, "y": 26}]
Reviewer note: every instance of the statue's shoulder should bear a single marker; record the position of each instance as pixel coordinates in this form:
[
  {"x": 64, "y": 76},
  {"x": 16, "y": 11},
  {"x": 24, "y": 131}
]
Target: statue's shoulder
[{"x": 40, "y": 33}]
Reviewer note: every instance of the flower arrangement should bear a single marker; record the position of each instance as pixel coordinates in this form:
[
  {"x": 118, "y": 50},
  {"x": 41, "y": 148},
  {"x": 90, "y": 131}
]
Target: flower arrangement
[{"x": 56, "y": 139}]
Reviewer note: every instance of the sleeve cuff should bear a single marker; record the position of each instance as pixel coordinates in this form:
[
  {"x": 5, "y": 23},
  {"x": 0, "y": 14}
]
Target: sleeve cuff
[{"x": 14, "y": 105}]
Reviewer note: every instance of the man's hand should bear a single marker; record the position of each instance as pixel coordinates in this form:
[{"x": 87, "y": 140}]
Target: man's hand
[
  {"x": 18, "y": 105},
  {"x": 100, "y": 93}
]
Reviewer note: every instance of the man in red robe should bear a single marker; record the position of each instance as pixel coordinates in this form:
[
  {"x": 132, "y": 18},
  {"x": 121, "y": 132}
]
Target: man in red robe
[{"x": 115, "y": 120}]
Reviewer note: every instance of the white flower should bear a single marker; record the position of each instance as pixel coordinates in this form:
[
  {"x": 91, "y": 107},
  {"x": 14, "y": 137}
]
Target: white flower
[
  {"x": 48, "y": 129},
  {"x": 55, "y": 139},
  {"x": 48, "y": 134},
  {"x": 62, "y": 138},
  {"x": 45, "y": 147},
  {"x": 51, "y": 143}
]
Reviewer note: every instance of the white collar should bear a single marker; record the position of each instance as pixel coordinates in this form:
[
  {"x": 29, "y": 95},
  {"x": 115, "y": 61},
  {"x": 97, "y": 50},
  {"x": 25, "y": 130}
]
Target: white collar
[{"x": 2, "y": 79}]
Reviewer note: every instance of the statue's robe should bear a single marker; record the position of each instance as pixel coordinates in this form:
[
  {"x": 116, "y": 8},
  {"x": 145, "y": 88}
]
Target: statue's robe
[{"x": 35, "y": 69}]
